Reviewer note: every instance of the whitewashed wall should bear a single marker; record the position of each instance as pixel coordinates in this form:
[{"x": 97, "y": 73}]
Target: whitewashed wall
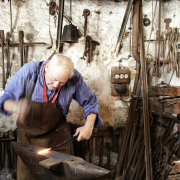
[{"x": 33, "y": 18}]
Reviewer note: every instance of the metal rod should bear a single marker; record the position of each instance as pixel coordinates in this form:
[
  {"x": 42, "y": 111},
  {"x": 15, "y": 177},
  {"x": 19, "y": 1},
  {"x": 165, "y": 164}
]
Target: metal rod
[
  {"x": 60, "y": 23},
  {"x": 2, "y": 45}
]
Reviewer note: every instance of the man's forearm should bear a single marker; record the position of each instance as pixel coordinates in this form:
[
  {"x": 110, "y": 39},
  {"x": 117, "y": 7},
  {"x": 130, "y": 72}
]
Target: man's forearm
[
  {"x": 91, "y": 118},
  {"x": 10, "y": 106}
]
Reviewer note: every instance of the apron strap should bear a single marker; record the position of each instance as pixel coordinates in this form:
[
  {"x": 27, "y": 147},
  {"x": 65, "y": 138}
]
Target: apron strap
[{"x": 34, "y": 84}]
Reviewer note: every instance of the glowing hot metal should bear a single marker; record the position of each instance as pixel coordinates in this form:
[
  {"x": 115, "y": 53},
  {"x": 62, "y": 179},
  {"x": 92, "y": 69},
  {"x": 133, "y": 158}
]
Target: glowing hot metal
[{"x": 44, "y": 151}]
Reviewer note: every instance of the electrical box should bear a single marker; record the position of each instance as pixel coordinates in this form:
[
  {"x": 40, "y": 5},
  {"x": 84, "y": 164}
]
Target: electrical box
[
  {"x": 120, "y": 79},
  {"x": 119, "y": 75}
]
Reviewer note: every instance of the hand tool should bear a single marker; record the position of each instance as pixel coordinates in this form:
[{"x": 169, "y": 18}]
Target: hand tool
[
  {"x": 164, "y": 48},
  {"x": 86, "y": 13},
  {"x": 86, "y": 48},
  {"x": 159, "y": 37},
  {"x": 156, "y": 54},
  {"x": 92, "y": 44},
  {"x": 123, "y": 26},
  {"x": 21, "y": 40},
  {"x": 2, "y": 45},
  {"x": 50, "y": 35},
  {"x": 8, "y": 73}
]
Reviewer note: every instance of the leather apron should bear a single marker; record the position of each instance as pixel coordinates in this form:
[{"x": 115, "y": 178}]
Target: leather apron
[{"x": 45, "y": 126}]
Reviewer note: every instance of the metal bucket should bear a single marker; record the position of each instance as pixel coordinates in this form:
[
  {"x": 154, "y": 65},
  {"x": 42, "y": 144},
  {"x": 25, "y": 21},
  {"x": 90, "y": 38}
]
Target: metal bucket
[{"x": 70, "y": 34}]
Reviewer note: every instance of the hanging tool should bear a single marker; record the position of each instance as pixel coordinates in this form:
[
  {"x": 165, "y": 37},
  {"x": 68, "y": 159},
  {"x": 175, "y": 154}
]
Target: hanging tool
[
  {"x": 123, "y": 26},
  {"x": 156, "y": 54},
  {"x": 21, "y": 40},
  {"x": 2, "y": 46},
  {"x": 50, "y": 35},
  {"x": 91, "y": 48},
  {"x": 86, "y": 13},
  {"x": 87, "y": 39},
  {"x": 178, "y": 49},
  {"x": 159, "y": 38},
  {"x": 8, "y": 73},
  {"x": 53, "y": 10},
  {"x": 164, "y": 48},
  {"x": 169, "y": 30}
]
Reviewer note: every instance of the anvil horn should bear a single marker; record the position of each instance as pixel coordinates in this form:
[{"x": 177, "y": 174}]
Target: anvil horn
[{"x": 55, "y": 165}]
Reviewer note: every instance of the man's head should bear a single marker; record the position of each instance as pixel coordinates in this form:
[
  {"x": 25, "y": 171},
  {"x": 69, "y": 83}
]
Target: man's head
[{"x": 57, "y": 71}]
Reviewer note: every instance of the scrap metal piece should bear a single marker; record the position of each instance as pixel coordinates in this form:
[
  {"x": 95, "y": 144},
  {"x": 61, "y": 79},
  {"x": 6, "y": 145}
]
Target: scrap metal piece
[{"x": 55, "y": 165}]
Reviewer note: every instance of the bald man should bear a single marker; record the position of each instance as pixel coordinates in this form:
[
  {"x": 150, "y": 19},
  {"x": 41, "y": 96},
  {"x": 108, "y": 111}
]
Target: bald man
[{"x": 40, "y": 94}]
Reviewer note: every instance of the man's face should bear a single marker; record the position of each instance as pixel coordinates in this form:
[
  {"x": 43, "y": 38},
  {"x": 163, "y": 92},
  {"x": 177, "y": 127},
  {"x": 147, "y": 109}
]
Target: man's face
[{"x": 55, "y": 77}]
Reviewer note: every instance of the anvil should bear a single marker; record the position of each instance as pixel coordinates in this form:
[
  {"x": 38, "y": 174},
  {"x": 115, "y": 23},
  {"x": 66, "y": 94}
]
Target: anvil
[{"x": 53, "y": 165}]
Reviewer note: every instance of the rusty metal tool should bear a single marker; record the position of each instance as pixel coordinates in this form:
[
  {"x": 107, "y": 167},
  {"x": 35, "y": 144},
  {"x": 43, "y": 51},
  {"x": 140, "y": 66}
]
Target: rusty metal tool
[
  {"x": 171, "y": 39},
  {"x": 8, "y": 73},
  {"x": 164, "y": 48},
  {"x": 156, "y": 54},
  {"x": 123, "y": 26},
  {"x": 159, "y": 37},
  {"x": 86, "y": 48},
  {"x": 55, "y": 165},
  {"x": 50, "y": 35},
  {"x": 86, "y": 13},
  {"x": 133, "y": 154},
  {"x": 93, "y": 43},
  {"x": 21, "y": 40},
  {"x": 2, "y": 46},
  {"x": 147, "y": 135},
  {"x": 126, "y": 136},
  {"x": 101, "y": 153},
  {"x": 178, "y": 70}
]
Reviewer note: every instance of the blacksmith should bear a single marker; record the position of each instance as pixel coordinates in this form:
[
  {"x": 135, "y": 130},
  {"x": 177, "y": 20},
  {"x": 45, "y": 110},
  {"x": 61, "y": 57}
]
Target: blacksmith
[{"x": 40, "y": 94}]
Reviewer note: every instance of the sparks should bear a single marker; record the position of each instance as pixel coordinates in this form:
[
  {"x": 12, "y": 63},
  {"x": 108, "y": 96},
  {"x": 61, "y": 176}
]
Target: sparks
[{"x": 43, "y": 151}]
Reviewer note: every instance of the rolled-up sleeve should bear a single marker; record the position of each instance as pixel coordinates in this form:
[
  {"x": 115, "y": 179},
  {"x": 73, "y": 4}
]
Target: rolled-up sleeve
[{"x": 88, "y": 100}]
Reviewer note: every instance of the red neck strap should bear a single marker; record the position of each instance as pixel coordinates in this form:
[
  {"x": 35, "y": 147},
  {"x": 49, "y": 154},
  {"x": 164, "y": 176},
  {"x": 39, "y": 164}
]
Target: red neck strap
[{"x": 44, "y": 89}]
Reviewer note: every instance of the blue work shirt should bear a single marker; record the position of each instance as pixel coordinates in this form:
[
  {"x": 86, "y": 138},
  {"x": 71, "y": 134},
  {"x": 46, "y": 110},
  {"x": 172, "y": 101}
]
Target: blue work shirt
[{"x": 75, "y": 88}]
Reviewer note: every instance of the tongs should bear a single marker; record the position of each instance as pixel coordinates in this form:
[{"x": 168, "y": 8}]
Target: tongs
[{"x": 65, "y": 142}]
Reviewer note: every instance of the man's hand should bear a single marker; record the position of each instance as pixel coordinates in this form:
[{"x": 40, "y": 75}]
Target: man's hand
[
  {"x": 85, "y": 131},
  {"x": 21, "y": 108}
]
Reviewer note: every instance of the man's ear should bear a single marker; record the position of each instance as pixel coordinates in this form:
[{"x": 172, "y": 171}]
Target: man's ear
[{"x": 47, "y": 66}]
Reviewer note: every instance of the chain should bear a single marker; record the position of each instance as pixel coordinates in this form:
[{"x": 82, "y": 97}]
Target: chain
[{"x": 53, "y": 10}]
